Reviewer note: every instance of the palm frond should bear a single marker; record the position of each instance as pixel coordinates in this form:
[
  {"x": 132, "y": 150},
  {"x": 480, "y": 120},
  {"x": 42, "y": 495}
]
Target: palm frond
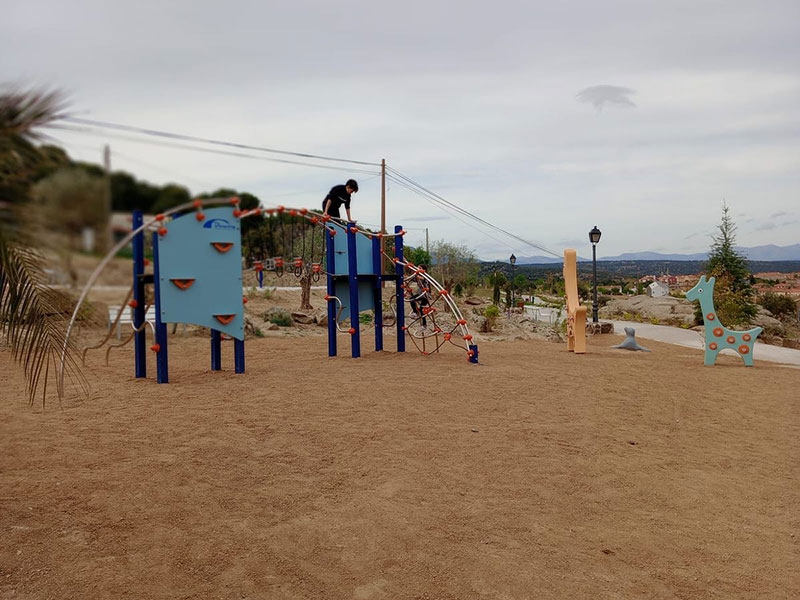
[
  {"x": 33, "y": 318},
  {"x": 32, "y": 315}
]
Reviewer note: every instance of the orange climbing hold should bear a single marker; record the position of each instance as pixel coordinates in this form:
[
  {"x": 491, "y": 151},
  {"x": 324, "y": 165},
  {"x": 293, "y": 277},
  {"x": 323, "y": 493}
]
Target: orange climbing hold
[
  {"x": 352, "y": 331},
  {"x": 197, "y": 203},
  {"x": 200, "y": 216},
  {"x": 162, "y": 232},
  {"x": 710, "y": 317},
  {"x": 731, "y": 339},
  {"x": 133, "y": 304},
  {"x": 713, "y": 346},
  {"x": 744, "y": 349},
  {"x": 183, "y": 284},
  {"x": 156, "y": 347},
  {"x": 746, "y": 337},
  {"x": 718, "y": 332},
  {"x": 222, "y": 246},
  {"x": 224, "y": 319}
]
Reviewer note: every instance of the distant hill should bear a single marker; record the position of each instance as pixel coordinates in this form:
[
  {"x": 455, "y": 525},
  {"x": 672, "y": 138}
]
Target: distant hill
[
  {"x": 607, "y": 270},
  {"x": 756, "y": 253}
]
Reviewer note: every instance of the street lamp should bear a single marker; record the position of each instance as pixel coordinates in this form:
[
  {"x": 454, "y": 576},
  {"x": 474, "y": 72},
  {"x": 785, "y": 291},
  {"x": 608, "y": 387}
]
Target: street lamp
[
  {"x": 513, "y": 260},
  {"x": 594, "y": 237}
]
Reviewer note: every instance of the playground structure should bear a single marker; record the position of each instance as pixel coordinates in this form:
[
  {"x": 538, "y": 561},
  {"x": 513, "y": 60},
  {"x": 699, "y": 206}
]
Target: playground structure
[
  {"x": 717, "y": 336},
  {"x": 197, "y": 279},
  {"x": 576, "y": 314}
]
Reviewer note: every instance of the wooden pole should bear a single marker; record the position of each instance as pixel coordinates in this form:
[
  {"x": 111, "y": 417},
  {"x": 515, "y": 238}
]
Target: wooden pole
[{"x": 383, "y": 195}]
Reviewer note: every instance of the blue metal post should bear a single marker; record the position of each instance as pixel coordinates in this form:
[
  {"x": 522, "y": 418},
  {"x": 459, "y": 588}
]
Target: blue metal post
[
  {"x": 352, "y": 279},
  {"x": 139, "y": 339},
  {"x": 377, "y": 262},
  {"x": 238, "y": 355},
  {"x": 216, "y": 350},
  {"x": 398, "y": 272},
  {"x": 330, "y": 266},
  {"x": 162, "y": 364}
]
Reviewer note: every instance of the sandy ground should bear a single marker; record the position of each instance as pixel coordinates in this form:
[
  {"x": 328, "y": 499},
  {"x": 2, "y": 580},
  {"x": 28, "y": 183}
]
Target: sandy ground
[{"x": 534, "y": 474}]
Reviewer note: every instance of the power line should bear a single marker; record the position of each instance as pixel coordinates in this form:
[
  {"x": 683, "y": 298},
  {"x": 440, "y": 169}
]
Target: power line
[
  {"x": 393, "y": 174},
  {"x": 444, "y": 204},
  {"x": 444, "y": 208},
  {"x": 89, "y": 131},
  {"x": 191, "y": 138}
]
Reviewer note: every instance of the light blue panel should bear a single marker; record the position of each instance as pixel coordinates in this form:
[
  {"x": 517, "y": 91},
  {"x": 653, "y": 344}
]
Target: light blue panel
[
  {"x": 365, "y": 296},
  {"x": 363, "y": 251},
  {"x": 187, "y": 252}
]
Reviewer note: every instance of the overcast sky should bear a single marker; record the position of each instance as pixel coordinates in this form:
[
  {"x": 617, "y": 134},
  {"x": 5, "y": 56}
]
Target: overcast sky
[{"x": 542, "y": 118}]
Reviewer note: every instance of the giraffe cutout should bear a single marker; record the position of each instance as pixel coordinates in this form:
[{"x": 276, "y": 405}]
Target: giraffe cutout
[{"x": 718, "y": 337}]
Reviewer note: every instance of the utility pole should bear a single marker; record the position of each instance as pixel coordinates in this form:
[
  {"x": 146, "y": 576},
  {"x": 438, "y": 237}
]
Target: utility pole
[
  {"x": 427, "y": 242},
  {"x": 385, "y": 264},
  {"x": 109, "y": 234},
  {"x": 383, "y": 195}
]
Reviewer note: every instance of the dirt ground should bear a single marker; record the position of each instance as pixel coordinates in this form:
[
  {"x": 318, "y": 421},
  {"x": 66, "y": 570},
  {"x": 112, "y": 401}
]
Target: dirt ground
[{"x": 536, "y": 473}]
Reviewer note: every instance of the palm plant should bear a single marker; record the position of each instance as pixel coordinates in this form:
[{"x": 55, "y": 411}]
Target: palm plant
[{"x": 31, "y": 312}]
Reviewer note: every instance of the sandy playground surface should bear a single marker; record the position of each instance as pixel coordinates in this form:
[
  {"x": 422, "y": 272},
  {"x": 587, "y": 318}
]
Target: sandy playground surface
[{"x": 535, "y": 474}]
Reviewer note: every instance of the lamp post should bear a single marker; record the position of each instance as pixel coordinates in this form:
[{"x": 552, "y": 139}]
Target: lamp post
[
  {"x": 594, "y": 237},
  {"x": 513, "y": 260}
]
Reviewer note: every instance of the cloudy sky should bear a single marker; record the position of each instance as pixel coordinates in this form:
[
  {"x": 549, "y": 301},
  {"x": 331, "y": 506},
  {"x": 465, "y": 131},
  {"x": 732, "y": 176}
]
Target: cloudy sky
[{"x": 541, "y": 118}]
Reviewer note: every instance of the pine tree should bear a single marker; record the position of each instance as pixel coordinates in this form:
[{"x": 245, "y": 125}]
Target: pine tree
[{"x": 733, "y": 291}]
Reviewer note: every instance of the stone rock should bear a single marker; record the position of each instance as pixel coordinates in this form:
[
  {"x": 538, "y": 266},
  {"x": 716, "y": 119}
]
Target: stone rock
[
  {"x": 303, "y": 318},
  {"x": 665, "y": 309},
  {"x": 474, "y": 300},
  {"x": 598, "y": 328},
  {"x": 771, "y": 325}
]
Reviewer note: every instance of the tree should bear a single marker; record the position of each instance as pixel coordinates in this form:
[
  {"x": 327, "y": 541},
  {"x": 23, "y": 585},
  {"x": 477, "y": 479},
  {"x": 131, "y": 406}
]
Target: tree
[
  {"x": 31, "y": 313},
  {"x": 417, "y": 255},
  {"x": 451, "y": 264},
  {"x": 497, "y": 280},
  {"x": 733, "y": 292}
]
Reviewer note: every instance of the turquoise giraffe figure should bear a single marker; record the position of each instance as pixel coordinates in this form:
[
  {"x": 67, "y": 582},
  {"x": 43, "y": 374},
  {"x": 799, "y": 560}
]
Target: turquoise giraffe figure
[{"x": 719, "y": 337}]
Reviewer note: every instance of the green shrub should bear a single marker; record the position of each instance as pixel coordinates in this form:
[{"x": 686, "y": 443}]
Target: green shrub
[
  {"x": 491, "y": 313},
  {"x": 779, "y": 305},
  {"x": 281, "y": 319}
]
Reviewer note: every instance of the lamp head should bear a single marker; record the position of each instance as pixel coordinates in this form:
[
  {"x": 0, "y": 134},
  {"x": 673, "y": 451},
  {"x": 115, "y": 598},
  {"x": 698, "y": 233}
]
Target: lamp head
[
  {"x": 594, "y": 235},
  {"x": 513, "y": 260}
]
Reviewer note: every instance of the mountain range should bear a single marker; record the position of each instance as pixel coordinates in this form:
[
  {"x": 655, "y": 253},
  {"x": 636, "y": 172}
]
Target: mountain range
[{"x": 767, "y": 253}]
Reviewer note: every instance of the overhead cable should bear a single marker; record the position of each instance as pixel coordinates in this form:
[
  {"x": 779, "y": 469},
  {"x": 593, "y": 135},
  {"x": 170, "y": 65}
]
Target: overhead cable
[{"x": 192, "y": 138}]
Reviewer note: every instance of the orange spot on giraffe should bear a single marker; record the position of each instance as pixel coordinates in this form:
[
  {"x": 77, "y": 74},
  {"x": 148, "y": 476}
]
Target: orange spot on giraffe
[
  {"x": 711, "y": 316},
  {"x": 744, "y": 349},
  {"x": 717, "y": 332},
  {"x": 712, "y": 346},
  {"x": 746, "y": 337},
  {"x": 731, "y": 339}
]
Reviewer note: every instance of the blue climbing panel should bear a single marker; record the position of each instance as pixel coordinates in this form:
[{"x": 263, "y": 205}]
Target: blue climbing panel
[
  {"x": 200, "y": 271},
  {"x": 363, "y": 252}
]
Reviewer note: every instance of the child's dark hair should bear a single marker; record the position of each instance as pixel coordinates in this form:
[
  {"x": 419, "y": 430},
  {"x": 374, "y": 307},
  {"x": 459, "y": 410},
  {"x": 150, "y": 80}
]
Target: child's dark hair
[{"x": 352, "y": 184}]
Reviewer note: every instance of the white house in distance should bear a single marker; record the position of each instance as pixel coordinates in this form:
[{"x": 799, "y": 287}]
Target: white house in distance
[{"x": 657, "y": 289}]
